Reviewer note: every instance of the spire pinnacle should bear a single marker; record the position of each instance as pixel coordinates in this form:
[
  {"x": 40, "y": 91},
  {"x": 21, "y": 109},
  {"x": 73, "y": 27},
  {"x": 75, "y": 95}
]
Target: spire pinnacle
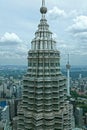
[
  {"x": 43, "y": 9},
  {"x": 68, "y": 64},
  {"x": 68, "y": 58},
  {"x": 43, "y": 3}
]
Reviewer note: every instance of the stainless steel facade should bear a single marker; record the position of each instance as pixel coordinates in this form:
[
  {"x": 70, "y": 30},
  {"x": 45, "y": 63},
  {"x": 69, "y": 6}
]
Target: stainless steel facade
[{"x": 44, "y": 105}]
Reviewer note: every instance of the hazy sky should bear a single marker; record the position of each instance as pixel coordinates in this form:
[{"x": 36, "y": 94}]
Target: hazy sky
[{"x": 19, "y": 20}]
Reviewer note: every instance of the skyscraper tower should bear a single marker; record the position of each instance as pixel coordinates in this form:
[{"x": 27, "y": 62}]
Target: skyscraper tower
[
  {"x": 44, "y": 105},
  {"x": 68, "y": 77}
]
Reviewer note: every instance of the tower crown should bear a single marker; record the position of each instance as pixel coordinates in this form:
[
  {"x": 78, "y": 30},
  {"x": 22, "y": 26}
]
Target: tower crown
[{"x": 43, "y": 36}]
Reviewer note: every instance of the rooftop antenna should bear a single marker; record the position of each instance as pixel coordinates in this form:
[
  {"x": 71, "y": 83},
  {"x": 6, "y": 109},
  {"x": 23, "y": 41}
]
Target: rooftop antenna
[
  {"x": 43, "y": 3},
  {"x": 68, "y": 77},
  {"x": 43, "y": 9}
]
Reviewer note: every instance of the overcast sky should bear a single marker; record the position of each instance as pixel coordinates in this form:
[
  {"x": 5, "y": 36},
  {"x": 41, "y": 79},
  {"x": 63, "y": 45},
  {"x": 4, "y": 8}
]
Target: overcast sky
[{"x": 19, "y": 20}]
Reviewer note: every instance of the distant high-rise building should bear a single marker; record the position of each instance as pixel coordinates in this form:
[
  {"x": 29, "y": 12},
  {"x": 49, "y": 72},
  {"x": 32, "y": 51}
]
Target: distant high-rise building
[
  {"x": 14, "y": 123},
  {"x": 44, "y": 105},
  {"x": 5, "y": 114},
  {"x": 68, "y": 77},
  {"x": 5, "y": 120},
  {"x": 1, "y": 126},
  {"x": 1, "y": 113},
  {"x": 12, "y": 108},
  {"x": 79, "y": 117},
  {"x": 80, "y": 76},
  {"x": 86, "y": 119}
]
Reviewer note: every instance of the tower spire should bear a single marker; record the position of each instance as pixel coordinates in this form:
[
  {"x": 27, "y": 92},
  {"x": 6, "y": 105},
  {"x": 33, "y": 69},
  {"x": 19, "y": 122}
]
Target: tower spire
[
  {"x": 43, "y": 3},
  {"x": 43, "y": 9},
  {"x": 68, "y": 59},
  {"x": 68, "y": 76}
]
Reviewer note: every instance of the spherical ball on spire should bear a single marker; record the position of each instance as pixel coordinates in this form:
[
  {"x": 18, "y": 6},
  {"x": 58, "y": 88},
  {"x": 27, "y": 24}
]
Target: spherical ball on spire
[{"x": 43, "y": 10}]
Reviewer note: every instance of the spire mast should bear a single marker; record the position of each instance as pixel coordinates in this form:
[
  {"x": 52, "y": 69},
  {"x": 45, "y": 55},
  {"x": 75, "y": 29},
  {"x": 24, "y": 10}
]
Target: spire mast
[
  {"x": 68, "y": 76},
  {"x": 68, "y": 58},
  {"x": 43, "y": 3},
  {"x": 43, "y": 9}
]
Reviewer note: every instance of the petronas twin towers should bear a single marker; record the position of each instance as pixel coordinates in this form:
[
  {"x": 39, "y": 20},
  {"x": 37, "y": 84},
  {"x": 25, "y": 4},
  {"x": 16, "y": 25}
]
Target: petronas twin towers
[{"x": 44, "y": 105}]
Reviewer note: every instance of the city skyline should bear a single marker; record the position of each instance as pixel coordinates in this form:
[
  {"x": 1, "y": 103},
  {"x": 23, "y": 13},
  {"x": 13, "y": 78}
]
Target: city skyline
[{"x": 19, "y": 19}]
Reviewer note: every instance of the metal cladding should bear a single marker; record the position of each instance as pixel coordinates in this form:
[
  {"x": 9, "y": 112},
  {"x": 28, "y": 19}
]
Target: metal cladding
[{"x": 44, "y": 105}]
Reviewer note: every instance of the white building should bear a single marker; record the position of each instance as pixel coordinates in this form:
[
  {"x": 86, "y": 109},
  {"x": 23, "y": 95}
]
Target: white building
[
  {"x": 5, "y": 122},
  {"x": 5, "y": 114}
]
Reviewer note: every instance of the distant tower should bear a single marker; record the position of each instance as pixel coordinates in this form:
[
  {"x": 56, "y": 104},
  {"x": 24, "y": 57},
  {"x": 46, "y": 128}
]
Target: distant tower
[
  {"x": 68, "y": 76},
  {"x": 80, "y": 76}
]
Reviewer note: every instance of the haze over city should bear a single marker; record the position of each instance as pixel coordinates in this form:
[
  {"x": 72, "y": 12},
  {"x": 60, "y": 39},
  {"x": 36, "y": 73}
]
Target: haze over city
[{"x": 19, "y": 20}]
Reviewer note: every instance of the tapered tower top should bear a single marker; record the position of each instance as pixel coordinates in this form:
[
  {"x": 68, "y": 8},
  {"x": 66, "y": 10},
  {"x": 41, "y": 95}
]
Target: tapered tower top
[{"x": 43, "y": 9}]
